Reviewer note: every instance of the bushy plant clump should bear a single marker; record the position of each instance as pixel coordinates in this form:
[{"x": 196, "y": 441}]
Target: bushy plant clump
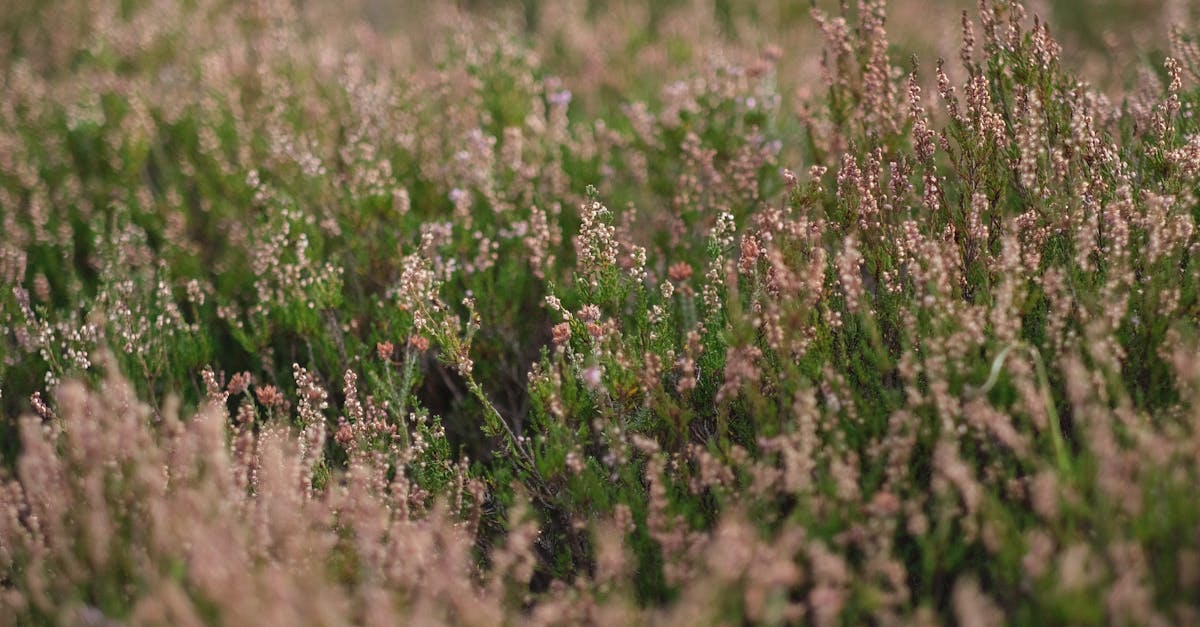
[{"x": 299, "y": 328}]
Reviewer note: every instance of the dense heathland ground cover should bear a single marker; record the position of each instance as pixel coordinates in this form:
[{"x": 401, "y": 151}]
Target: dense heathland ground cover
[{"x": 591, "y": 312}]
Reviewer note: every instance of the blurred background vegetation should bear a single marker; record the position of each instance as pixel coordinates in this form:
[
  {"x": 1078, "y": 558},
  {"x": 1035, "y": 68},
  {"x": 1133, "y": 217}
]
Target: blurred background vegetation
[{"x": 1104, "y": 38}]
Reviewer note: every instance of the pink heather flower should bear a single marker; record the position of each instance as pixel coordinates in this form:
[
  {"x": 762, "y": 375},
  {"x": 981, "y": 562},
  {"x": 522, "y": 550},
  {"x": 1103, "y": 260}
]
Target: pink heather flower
[
  {"x": 589, "y": 313},
  {"x": 679, "y": 272},
  {"x": 560, "y": 98},
  {"x": 238, "y": 383},
  {"x": 270, "y": 396},
  {"x": 593, "y": 377},
  {"x": 419, "y": 342},
  {"x": 561, "y": 333}
]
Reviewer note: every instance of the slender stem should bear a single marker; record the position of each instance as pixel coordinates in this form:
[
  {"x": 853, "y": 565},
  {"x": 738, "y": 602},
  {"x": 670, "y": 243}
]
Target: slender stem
[
  {"x": 1060, "y": 450},
  {"x": 477, "y": 392},
  {"x": 1062, "y": 459}
]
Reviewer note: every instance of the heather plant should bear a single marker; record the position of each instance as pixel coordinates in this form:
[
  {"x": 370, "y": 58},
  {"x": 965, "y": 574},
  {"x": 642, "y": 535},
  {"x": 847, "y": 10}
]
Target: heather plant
[{"x": 601, "y": 312}]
